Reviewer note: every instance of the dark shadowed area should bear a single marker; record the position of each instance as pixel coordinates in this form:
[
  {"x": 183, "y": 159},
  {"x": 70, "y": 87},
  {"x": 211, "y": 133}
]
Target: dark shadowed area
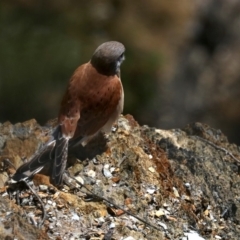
[{"x": 182, "y": 59}]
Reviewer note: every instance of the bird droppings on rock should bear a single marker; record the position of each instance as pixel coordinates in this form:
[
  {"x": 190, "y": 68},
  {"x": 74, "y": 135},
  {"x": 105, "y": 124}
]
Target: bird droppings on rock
[{"x": 192, "y": 192}]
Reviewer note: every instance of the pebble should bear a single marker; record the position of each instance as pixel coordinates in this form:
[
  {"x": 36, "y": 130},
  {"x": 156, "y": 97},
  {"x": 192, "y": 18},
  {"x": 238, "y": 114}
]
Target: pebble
[
  {"x": 114, "y": 129},
  {"x": 192, "y": 235},
  {"x": 112, "y": 169},
  {"x": 43, "y": 188},
  {"x": 129, "y": 238},
  {"x": 107, "y": 173},
  {"x": 101, "y": 220},
  {"x": 163, "y": 225},
  {"x": 5, "y": 194},
  {"x": 151, "y": 169},
  {"x": 58, "y": 224},
  {"x": 75, "y": 217},
  {"x": 161, "y": 212},
  {"x": 79, "y": 179},
  {"x": 112, "y": 225},
  {"x": 91, "y": 173},
  {"x": 151, "y": 190},
  {"x": 175, "y": 191}
]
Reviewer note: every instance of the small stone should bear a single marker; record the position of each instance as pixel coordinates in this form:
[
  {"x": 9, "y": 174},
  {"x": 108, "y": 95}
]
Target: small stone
[
  {"x": 107, "y": 173},
  {"x": 115, "y": 212},
  {"x": 91, "y": 173},
  {"x": 101, "y": 220},
  {"x": 159, "y": 213},
  {"x": 163, "y": 225},
  {"x": 42, "y": 194},
  {"x": 51, "y": 226},
  {"x": 75, "y": 217},
  {"x": 56, "y": 194},
  {"x": 151, "y": 169},
  {"x": 129, "y": 238},
  {"x": 175, "y": 191},
  {"x": 95, "y": 161},
  {"x": 112, "y": 169},
  {"x": 171, "y": 218},
  {"x": 114, "y": 129},
  {"x": 60, "y": 206},
  {"x": 106, "y": 166},
  {"x": 165, "y": 205},
  {"x": 43, "y": 188},
  {"x": 115, "y": 179},
  {"x": 79, "y": 179},
  {"x": 54, "y": 218},
  {"x": 112, "y": 225},
  {"x": 212, "y": 217},
  {"x": 66, "y": 188},
  {"x": 8, "y": 213},
  {"x": 148, "y": 197},
  {"x": 50, "y": 220},
  {"x": 58, "y": 224},
  {"x": 151, "y": 190},
  {"x": 192, "y": 235},
  {"x": 98, "y": 181},
  {"x": 185, "y": 197},
  {"x": 5, "y": 194},
  {"x": 128, "y": 201}
]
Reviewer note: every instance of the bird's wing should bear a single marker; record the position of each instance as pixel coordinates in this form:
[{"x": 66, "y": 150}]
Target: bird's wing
[{"x": 68, "y": 118}]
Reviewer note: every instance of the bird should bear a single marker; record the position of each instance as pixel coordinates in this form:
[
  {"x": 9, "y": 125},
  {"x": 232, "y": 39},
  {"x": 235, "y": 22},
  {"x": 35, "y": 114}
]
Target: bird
[{"x": 92, "y": 103}]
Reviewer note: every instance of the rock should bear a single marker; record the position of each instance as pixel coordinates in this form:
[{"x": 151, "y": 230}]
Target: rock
[
  {"x": 13, "y": 225},
  {"x": 195, "y": 183}
]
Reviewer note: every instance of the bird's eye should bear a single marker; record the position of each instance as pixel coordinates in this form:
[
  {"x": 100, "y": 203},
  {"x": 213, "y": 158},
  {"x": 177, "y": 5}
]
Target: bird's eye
[{"x": 122, "y": 57}]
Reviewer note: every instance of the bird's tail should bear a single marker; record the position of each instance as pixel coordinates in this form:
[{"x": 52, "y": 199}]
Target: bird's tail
[
  {"x": 36, "y": 163},
  {"x": 52, "y": 157},
  {"x": 60, "y": 160}
]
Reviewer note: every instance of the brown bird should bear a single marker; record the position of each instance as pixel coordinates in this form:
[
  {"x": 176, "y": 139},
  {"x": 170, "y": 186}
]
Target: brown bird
[{"x": 92, "y": 103}]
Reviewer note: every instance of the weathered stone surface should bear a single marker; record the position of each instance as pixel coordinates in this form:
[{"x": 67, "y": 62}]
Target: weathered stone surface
[
  {"x": 178, "y": 180},
  {"x": 14, "y": 226}
]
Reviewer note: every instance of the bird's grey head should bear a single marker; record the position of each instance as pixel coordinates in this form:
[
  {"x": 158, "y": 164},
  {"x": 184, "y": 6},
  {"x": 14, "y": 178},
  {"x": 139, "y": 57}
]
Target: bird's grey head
[{"x": 108, "y": 57}]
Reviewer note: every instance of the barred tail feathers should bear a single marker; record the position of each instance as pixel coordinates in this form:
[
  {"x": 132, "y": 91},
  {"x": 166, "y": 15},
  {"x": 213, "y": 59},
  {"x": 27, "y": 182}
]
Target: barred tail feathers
[
  {"x": 60, "y": 161},
  {"x": 36, "y": 163}
]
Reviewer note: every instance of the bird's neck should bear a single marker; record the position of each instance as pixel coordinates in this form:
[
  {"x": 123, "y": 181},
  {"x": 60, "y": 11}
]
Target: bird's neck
[{"x": 108, "y": 69}]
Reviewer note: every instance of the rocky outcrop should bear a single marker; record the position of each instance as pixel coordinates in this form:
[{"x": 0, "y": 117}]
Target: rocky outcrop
[{"x": 184, "y": 181}]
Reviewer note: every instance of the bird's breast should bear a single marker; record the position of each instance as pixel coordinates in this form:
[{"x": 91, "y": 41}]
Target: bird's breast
[
  {"x": 98, "y": 105},
  {"x": 90, "y": 101}
]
